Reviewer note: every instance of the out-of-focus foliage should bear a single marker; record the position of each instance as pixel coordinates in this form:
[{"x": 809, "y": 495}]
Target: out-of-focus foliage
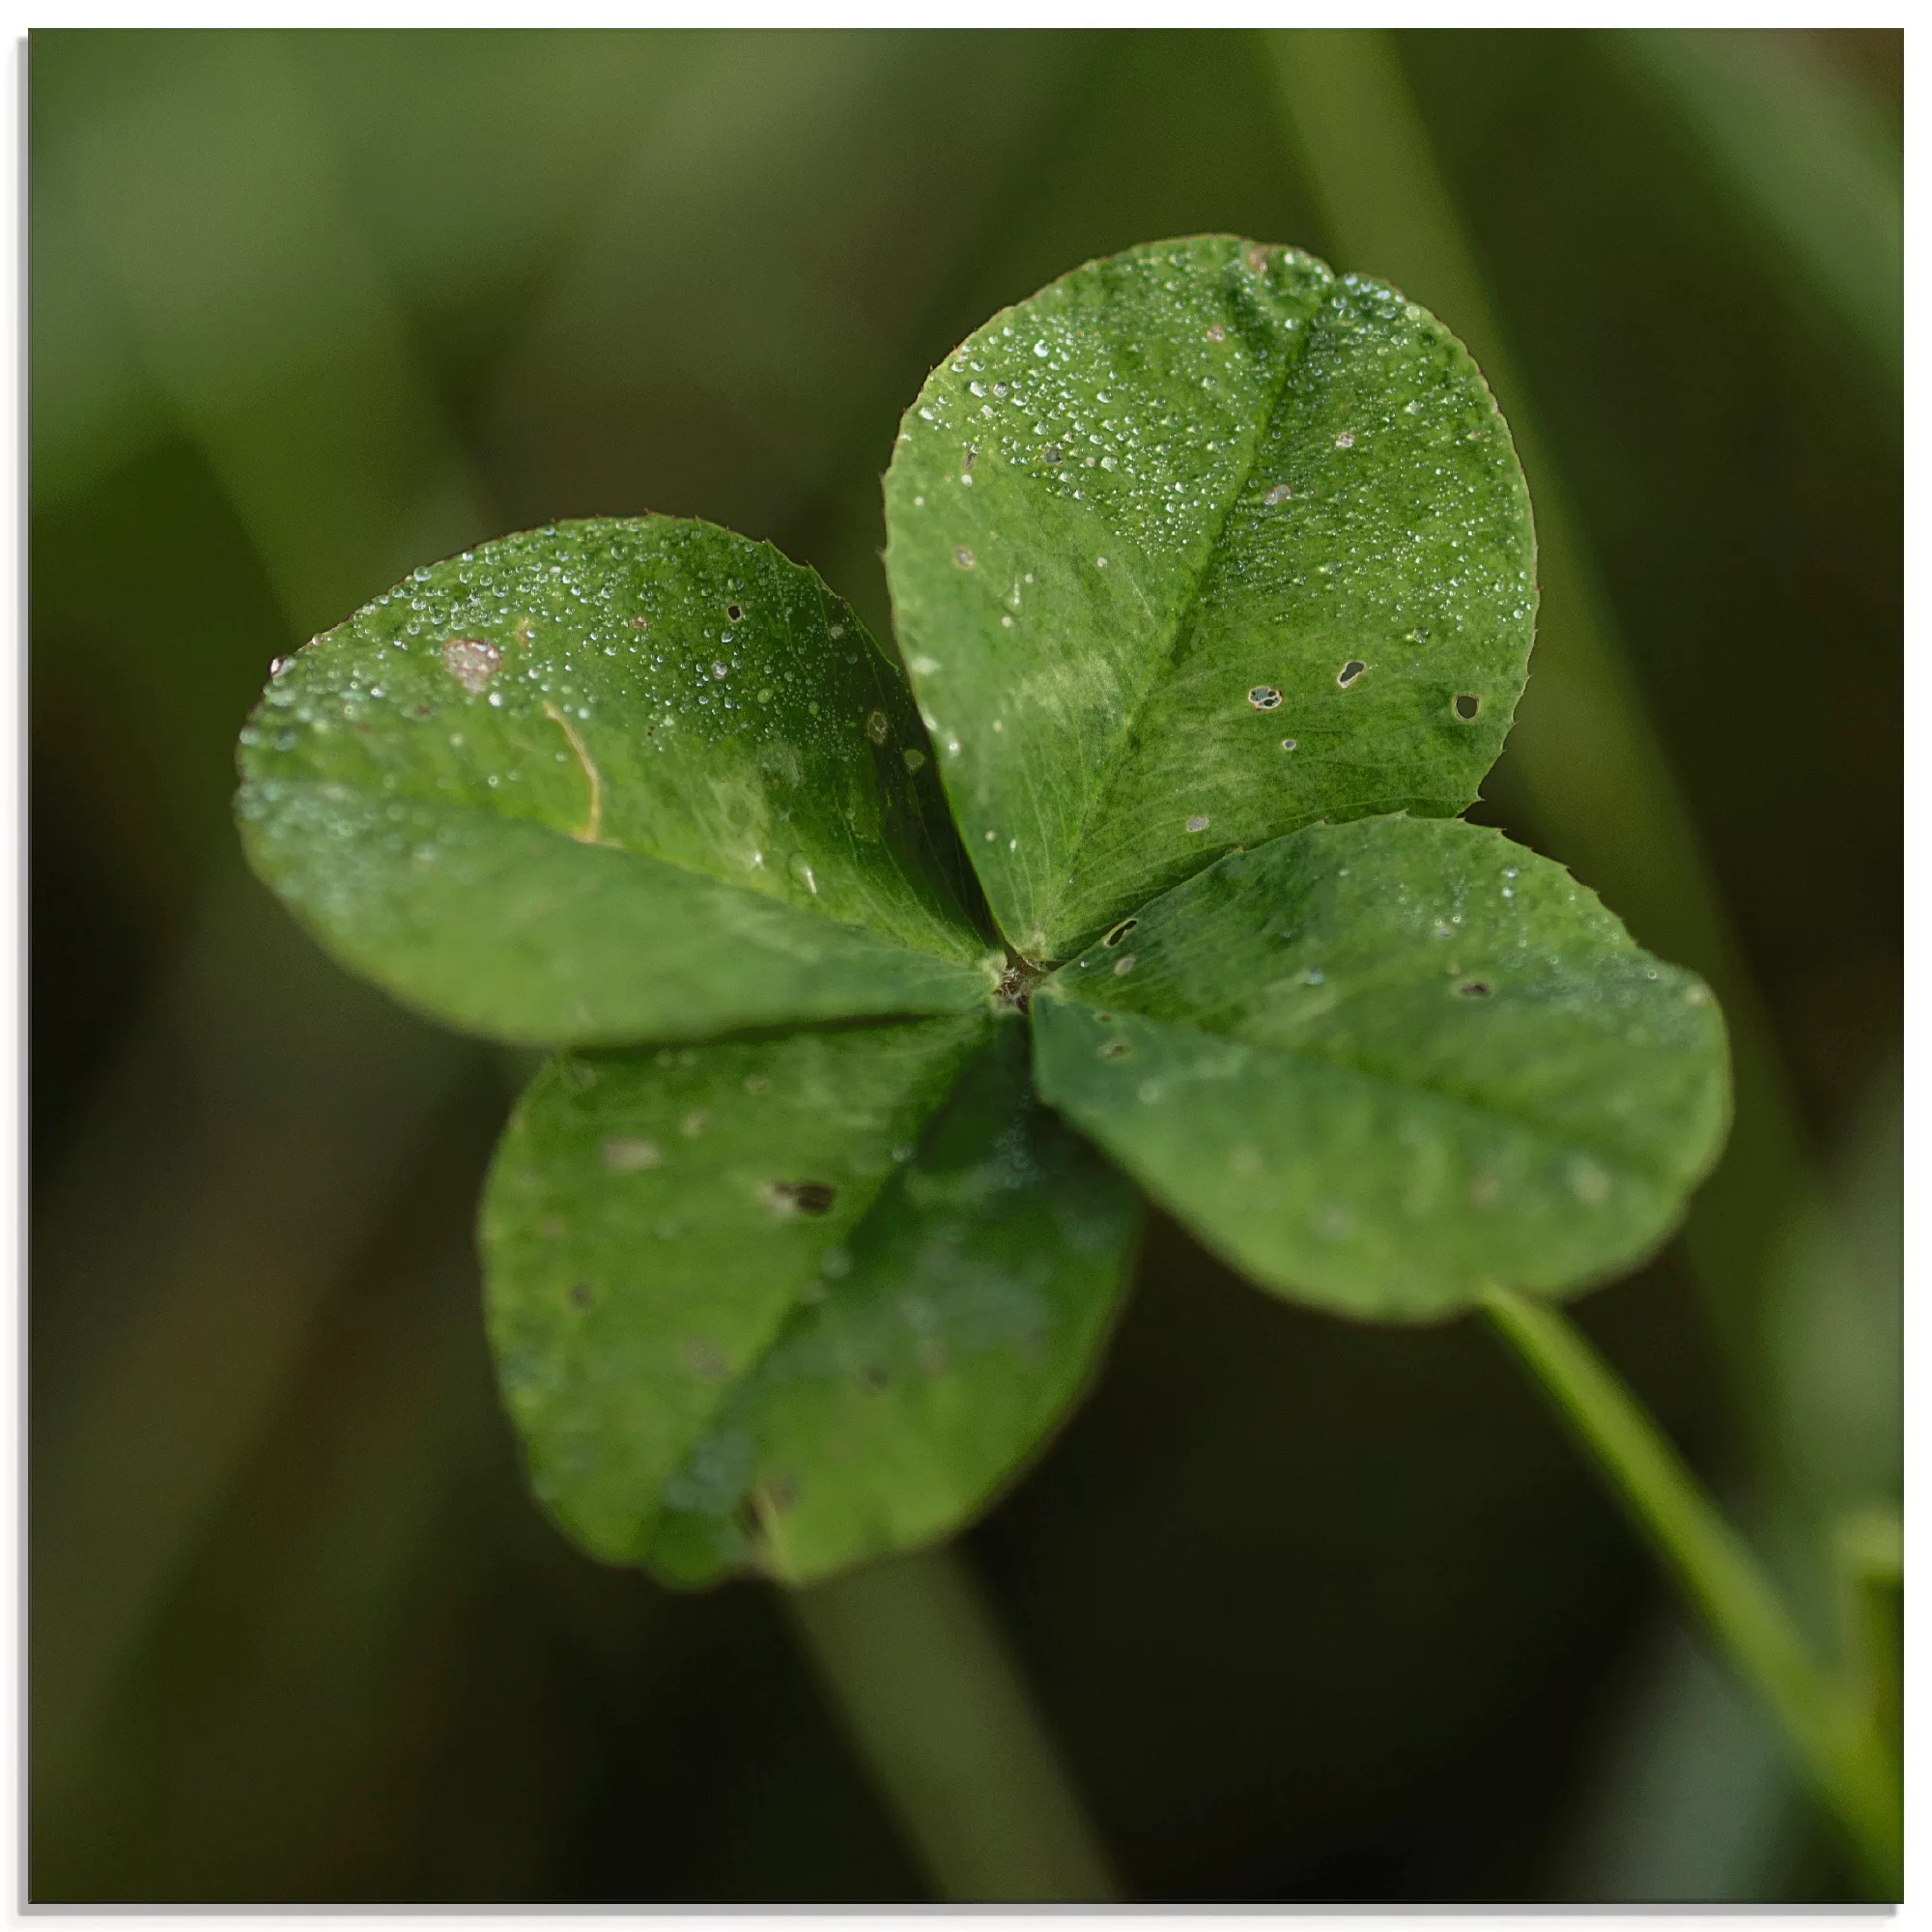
[{"x": 1316, "y": 1610}]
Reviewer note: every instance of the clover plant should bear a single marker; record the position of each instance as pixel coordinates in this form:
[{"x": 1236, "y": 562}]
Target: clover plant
[{"x": 883, "y": 985}]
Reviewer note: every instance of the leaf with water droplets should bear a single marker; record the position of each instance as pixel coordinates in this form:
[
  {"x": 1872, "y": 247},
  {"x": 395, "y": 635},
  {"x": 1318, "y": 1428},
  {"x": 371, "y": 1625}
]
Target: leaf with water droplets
[
  {"x": 785, "y": 1305},
  {"x": 1217, "y": 471},
  {"x": 613, "y": 781},
  {"x": 1384, "y": 1065}
]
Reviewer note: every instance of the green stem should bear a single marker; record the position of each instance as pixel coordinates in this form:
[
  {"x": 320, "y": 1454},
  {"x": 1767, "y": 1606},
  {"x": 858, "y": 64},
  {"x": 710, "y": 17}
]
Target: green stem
[
  {"x": 910, "y": 1653},
  {"x": 1828, "y": 1727}
]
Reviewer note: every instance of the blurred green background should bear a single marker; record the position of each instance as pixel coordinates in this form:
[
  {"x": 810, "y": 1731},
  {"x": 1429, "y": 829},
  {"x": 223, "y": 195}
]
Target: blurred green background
[{"x": 1315, "y": 1611}]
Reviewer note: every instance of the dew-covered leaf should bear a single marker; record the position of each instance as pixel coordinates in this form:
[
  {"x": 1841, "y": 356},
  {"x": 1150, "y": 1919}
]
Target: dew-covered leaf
[
  {"x": 1200, "y": 545},
  {"x": 613, "y": 781},
  {"x": 789, "y": 1304},
  {"x": 1381, "y": 1065}
]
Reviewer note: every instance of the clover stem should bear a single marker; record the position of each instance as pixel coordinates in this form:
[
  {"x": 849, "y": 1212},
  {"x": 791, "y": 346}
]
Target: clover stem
[
  {"x": 911, "y": 1656},
  {"x": 1829, "y": 1728}
]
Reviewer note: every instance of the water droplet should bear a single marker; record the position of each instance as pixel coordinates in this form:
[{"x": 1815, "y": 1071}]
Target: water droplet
[
  {"x": 1216, "y": 333},
  {"x": 1125, "y": 964},
  {"x": 1346, "y": 440},
  {"x": 1280, "y": 493},
  {"x": 913, "y": 760},
  {"x": 1053, "y": 453}
]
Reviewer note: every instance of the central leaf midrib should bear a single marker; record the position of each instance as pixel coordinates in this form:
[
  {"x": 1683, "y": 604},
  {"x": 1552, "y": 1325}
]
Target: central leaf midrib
[
  {"x": 1297, "y": 348},
  {"x": 492, "y": 815},
  {"x": 798, "y": 1309},
  {"x": 1483, "y": 1109}
]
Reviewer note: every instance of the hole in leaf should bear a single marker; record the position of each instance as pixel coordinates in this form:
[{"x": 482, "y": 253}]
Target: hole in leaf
[
  {"x": 1265, "y": 698},
  {"x": 1053, "y": 453},
  {"x": 1120, "y": 932},
  {"x": 1467, "y": 704},
  {"x": 787, "y": 1198},
  {"x": 1349, "y": 672},
  {"x": 735, "y": 612},
  {"x": 622, "y": 1154},
  {"x": 964, "y": 558},
  {"x": 1288, "y": 744}
]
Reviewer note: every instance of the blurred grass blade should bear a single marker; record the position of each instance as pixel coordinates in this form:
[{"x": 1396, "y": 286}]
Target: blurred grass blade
[
  {"x": 1828, "y": 1731},
  {"x": 214, "y": 211},
  {"x": 180, "y": 1295},
  {"x": 1693, "y": 1797},
  {"x": 1584, "y": 751},
  {"x": 919, "y": 1672},
  {"x": 1809, "y": 158}
]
